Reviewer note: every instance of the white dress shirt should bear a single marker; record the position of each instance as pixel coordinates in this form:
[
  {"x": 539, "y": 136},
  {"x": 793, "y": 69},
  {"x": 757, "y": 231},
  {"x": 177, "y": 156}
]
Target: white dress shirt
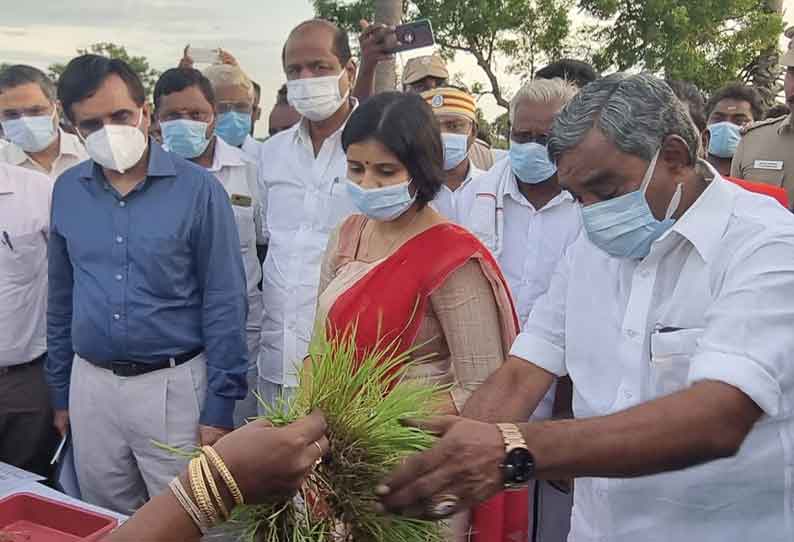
[
  {"x": 252, "y": 148},
  {"x": 713, "y": 300},
  {"x": 24, "y": 227},
  {"x": 305, "y": 199},
  {"x": 447, "y": 202},
  {"x": 70, "y": 154},
  {"x": 239, "y": 175},
  {"x": 532, "y": 241}
]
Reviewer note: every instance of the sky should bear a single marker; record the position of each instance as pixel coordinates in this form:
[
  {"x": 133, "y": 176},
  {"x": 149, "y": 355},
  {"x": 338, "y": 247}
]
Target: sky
[{"x": 41, "y": 32}]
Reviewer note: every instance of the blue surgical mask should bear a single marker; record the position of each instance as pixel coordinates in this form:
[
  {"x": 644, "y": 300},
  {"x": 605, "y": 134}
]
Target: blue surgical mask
[
  {"x": 31, "y": 134},
  {"x": 187, "y": 138},
  {"x": 382, "y": 204},
  {"x": 233, "y": 127},
  {"x": 456, "y": 149},
  {"x": 723, "y": 139},
  {"x": 530, "y": 162},
  {"x": 625, "y": 227}
]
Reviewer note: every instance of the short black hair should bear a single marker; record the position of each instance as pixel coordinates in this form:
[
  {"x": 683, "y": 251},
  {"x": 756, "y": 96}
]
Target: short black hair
[
  {"x": 341, "y": 40},
  {"x": 21, "y": 74},
  {"x": 690, "y": 95},
  {"x": 404, "y": 124},
  {"x": 578, "y": 72},
  {"x": 178, "y": 79},
  {"x": 86, "y": 73},
  {"x": 741, "y": 93}
]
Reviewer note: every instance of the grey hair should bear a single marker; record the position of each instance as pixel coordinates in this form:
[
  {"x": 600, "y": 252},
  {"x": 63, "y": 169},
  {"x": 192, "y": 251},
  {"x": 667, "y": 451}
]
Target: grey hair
[
  {"x": 544, "y": 91},
  {"x": 220, "y": 75},
  {"x": 635, "y": 112},
  {"x": 20, "y": 74}
]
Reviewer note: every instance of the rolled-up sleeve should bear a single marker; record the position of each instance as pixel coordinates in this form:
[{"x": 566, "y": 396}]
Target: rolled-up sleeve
[
  {"x": 222, "y": 277},
  {"x": 748, "y": 340},
  {"x": 542, "y": 340},
  {"x": 60, "y": 352}
]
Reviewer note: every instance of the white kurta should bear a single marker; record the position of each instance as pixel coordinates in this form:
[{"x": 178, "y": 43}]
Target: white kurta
[{"x": 714, "y": 300}]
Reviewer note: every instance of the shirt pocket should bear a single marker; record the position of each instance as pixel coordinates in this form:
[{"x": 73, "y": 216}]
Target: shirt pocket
[
  {"x": 244, "y": 216},
  {"x": 772, "y": 177},
  {"x": 671, "y": 355},
  {"x": 23, "y": 258},
  {"x": 163, "y": 268}
]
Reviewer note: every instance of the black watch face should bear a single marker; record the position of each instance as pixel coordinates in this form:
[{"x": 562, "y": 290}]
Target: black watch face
[{"x": 520, "y": 466}]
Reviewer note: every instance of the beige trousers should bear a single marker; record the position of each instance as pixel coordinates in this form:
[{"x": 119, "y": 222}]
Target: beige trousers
[{"x": 115, "y": 422}]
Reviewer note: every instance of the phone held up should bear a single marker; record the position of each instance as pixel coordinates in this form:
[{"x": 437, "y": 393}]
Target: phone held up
[
  {"x": 414, "y": 35},
  {"x": 204, "y": 55}
]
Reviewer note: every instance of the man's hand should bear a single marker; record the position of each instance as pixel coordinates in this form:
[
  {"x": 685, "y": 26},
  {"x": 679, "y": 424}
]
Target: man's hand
[
  {"x": 377, "y": 43},
  {"x": 271, "y": 463},
  {"x": 61, "y": 421},
  {"x": 464, "y": 463},
  {"x": 209, "y": 435},
  {"x": 186, "y": 61}
]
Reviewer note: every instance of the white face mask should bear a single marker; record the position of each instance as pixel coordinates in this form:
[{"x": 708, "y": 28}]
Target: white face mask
[
  {"x": 316, "y": 98},
  {"x": 117, "y": 147}
]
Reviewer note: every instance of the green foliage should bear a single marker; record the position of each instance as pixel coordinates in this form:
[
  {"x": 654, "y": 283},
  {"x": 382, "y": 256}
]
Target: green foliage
[
  {"x": 139, "y": 64},
  {"x": 707, "y": 42},
  {"x": 364, "y": 404}
]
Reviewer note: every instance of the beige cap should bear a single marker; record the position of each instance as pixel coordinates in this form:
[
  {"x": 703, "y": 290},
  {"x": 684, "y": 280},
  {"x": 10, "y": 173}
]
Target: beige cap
[
  {"x": 418, "y": 68},
  {"x": 788, "y": 57}
]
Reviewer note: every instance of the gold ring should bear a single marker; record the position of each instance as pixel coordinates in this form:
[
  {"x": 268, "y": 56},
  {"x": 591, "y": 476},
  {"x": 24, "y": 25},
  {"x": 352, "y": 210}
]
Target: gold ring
[{"x": 444, "y": 506}]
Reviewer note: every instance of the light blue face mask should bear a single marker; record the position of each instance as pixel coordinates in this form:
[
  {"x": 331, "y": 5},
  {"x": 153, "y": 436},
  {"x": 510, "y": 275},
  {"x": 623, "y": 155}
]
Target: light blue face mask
[
  {"x": 187, "y": 138},
  {"x": 530, "y": 162},
  {"x": 625, "y": 227},
  {"x": 384, "y": 204},
  {"x": 233, "y": 127},
  {"x": 724, "y": 137},
  {"x": 31, "y": 134},
  {"x": 456, "y": 149}
]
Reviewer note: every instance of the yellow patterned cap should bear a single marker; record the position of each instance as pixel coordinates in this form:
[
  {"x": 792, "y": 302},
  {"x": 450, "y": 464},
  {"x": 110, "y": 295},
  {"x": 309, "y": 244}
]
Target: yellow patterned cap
[{"x": 451, "y": 101}]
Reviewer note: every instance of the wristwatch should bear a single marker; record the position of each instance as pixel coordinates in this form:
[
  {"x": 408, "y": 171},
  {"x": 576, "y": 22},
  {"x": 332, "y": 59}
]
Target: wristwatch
[{"x": 519, "y": 465}]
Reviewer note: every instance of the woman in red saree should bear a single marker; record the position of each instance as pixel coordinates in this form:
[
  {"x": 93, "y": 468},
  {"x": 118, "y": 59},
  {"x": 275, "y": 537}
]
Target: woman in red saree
[{"x": 403, "y": 275}]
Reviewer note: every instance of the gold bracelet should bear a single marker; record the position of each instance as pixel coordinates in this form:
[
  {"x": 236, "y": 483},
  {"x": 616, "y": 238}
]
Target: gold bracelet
[
  {"x": 187, "y": 504},
  {"x": 223, "y": 470},
  {"x": 205, "y": 468},
  {"x": 199, "y": 489}
]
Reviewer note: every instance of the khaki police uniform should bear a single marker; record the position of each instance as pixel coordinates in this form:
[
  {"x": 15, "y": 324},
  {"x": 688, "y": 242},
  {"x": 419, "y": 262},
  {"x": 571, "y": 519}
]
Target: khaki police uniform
[
  {"x": 766, "y": 151},
  {"x": 766, "y": 154}
]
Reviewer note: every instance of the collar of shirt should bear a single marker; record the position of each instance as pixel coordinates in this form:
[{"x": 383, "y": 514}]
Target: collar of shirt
[
  {"x": 516, "y": 195},
  {"x": 472, "y": 173},
  {"x": 69, "y": 145},
  {"x": 161, "y": 164},
  {"x": 301, "y": 129},
  {"x": 226, "y": 156},
  {"x": 704, "y": 223},
  {"x": 6, "y": 182}
]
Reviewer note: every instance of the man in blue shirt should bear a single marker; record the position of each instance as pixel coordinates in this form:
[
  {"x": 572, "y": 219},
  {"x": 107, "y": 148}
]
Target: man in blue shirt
[{"x": 147, "y": 299}]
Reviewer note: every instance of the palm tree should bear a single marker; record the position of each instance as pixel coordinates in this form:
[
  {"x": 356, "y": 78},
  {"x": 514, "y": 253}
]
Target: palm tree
[{"x": 388, "y": 12}]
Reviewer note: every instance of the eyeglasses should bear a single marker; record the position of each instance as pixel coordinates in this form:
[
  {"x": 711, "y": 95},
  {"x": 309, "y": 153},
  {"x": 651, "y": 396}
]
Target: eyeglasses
[
  {"x": 237, "y": 107},
  {"x": 541, "y": 139},
  {"x": 198, "y": 116}
]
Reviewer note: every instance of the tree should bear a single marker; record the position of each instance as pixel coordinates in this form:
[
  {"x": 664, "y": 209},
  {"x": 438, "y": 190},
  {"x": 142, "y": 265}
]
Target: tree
[
  {"x": 524, "y": 32},
  {"x": 388, "y": 12},
  {"x": 139, "y": 64},
  {"x": 707, "y": 42}
]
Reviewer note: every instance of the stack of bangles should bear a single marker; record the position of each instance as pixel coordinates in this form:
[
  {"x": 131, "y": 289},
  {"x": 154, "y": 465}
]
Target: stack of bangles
[{"x": 208, "y": 508}]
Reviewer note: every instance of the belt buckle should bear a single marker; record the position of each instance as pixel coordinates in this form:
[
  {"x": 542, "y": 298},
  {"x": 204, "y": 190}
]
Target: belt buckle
[{"x": 123, "y": 369}]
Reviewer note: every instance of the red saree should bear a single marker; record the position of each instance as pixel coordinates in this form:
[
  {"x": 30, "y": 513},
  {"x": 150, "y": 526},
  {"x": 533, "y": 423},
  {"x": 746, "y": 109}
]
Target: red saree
[{"x": 387, "y": 306}]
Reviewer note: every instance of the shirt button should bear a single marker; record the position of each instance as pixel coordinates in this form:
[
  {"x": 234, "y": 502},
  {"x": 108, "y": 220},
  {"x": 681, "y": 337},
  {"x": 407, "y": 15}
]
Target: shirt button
[
  {"x": 122, "y": 204},
  {"x": 119, "y": 277},
  {"x": 631, "y": 333},
  {"x": 119, "y": 239},
  {"x": 117, "y": 316},
  {"x": 627, "y": 394}
]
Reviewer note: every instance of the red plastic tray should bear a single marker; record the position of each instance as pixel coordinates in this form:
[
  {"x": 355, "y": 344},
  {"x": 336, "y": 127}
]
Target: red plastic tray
[{"x": 25, "y": 517}]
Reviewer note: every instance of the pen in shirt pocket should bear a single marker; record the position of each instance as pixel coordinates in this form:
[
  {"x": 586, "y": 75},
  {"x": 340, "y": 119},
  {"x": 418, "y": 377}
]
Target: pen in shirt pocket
[
  {"x": 333, "y": 185},
  {"x": 7, "y": 240}
]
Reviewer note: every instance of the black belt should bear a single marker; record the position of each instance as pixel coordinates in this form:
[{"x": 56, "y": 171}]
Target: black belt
[
  {"x": 20, "y": 366},
  {"x": 137, "y": 368}
]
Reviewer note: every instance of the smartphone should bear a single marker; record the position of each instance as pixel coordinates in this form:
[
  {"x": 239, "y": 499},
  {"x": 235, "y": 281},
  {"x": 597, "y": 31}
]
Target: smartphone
[
  {"x": 414, "y": 36},
  {"x": 204, "y": 55}
]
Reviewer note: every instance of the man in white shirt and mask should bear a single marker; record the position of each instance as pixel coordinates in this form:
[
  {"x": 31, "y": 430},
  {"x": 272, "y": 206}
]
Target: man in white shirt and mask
[
  {"x": 302, "y": 181},
  {"x": 672, "y": 316},
  {"x": 456, "y": 113},
  {"x": 30, "y": 120}
]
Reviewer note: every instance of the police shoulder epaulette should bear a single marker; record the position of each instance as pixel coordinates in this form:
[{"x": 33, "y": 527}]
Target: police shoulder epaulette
[{"x": 766, "y": 122}]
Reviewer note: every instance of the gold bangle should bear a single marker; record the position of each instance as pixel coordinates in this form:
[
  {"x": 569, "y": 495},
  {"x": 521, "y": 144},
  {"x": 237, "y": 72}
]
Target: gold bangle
[
  {"x": 199, "y": 489},
  {"x": 205, "y": 468},
  {"x": 187, "y": 504},
  {"x": 223, "y": 470}
]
